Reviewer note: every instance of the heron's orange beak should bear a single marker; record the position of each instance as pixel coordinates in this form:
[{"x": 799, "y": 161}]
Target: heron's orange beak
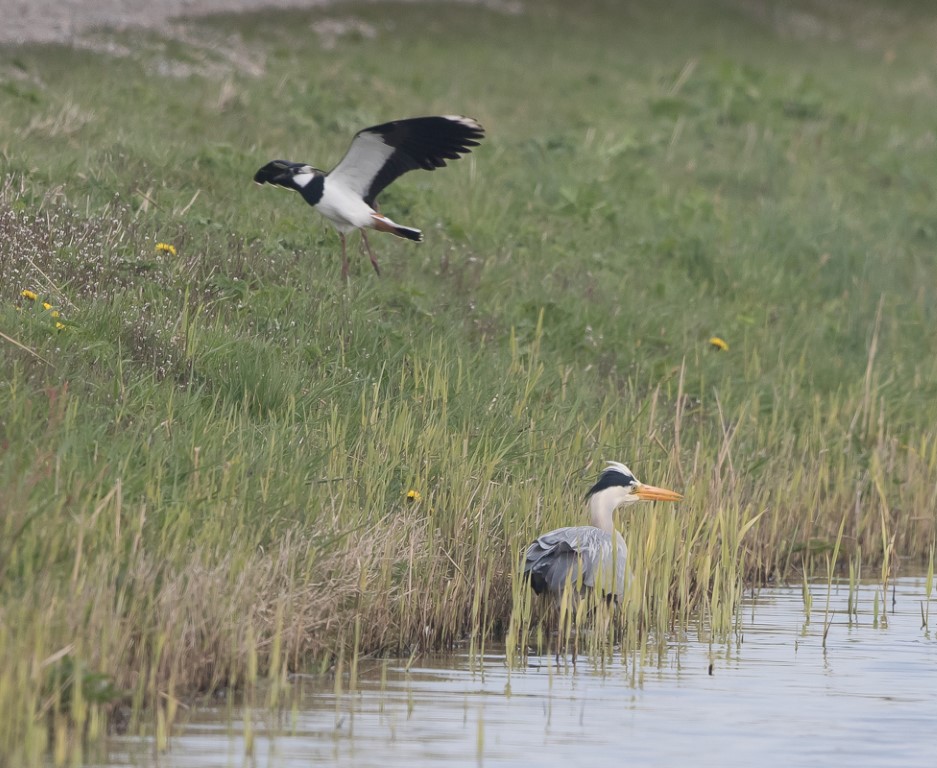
[{"x": 653, "y": 493}]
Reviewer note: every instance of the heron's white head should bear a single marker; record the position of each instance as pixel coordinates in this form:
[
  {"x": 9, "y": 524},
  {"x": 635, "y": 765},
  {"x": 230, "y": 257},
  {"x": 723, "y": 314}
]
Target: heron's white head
[{"x": 617, "y": 485}]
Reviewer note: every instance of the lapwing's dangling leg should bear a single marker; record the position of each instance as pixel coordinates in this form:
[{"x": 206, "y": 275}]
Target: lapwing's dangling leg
[
  {"x": 367, "y": 245},
  {"x": 344, "y": 257}
]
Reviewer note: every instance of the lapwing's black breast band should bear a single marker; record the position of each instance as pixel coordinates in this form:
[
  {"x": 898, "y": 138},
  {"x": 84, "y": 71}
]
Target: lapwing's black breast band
[{"x": 312, "y": 192}]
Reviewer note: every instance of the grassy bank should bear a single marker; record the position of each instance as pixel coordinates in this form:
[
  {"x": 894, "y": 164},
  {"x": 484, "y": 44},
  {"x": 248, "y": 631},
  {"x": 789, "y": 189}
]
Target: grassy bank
[{"x": 205, "y": 472}]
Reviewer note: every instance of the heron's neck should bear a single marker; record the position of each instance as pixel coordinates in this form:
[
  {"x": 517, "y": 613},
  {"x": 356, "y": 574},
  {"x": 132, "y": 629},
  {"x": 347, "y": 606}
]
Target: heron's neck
[{"x": 602, "y": 508}]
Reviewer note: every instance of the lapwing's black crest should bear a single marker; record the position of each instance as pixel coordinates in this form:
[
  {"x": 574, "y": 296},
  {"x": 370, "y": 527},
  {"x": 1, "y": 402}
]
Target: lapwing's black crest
[
  {"x": 347, "y": 194},
  {"x": 283, "y": 173}
]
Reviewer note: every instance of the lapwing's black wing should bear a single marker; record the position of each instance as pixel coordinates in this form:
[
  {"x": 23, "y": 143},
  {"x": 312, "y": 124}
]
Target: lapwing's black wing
[{"x": 380, "y": 154}]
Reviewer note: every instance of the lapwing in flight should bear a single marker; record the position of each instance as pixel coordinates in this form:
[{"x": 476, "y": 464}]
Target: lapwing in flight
[{"x": 347, "y": 194}]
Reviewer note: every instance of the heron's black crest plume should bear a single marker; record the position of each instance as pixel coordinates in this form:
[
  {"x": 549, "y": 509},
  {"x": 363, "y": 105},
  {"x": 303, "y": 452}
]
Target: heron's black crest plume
[{"x": 615, "y": 475}]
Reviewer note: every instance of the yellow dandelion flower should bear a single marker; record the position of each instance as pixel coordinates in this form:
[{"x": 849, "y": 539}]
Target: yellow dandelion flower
[
  {"x": 54, "y": 313},
  {"x": 46, "y": 305},
  {"x": 166, "y": 248},
  {"x": 719, "y": 344},
  {"x": 27, "y": 294},
  {"x": 413, "y": 495},
  {"x": 60, "y": 326}
]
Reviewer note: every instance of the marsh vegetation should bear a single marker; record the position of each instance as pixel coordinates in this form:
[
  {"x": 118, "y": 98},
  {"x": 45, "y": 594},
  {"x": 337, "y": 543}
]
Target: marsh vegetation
[{"x": 205, "y": 474}]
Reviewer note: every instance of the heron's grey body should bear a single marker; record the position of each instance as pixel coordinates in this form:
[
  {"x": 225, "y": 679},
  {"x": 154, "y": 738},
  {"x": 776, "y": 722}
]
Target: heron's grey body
[
  {"x": 591, "y": 557},
  {"x": 585, "y": 556}
]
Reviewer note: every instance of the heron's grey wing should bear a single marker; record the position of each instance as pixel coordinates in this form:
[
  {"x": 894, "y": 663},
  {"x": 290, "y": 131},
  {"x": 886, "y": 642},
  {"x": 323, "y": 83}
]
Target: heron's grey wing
[
  {"x": 579, "y": 555},
  {"x": 382, "y": 153}
]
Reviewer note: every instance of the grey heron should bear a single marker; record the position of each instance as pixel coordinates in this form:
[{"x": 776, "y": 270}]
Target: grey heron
[
  {"x": 584, "y": 557},
  {"x": 347, "y": 194}
]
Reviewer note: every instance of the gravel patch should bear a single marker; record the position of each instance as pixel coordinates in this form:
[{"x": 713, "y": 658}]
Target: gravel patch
[{"x": 67, "y": 21}]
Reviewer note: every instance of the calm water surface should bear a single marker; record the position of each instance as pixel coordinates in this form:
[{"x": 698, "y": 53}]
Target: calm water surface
[{"x": 774, "y": 698}]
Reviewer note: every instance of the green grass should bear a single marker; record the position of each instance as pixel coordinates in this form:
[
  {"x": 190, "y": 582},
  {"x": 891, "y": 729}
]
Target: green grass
[{"x": 204, "y": 477}]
